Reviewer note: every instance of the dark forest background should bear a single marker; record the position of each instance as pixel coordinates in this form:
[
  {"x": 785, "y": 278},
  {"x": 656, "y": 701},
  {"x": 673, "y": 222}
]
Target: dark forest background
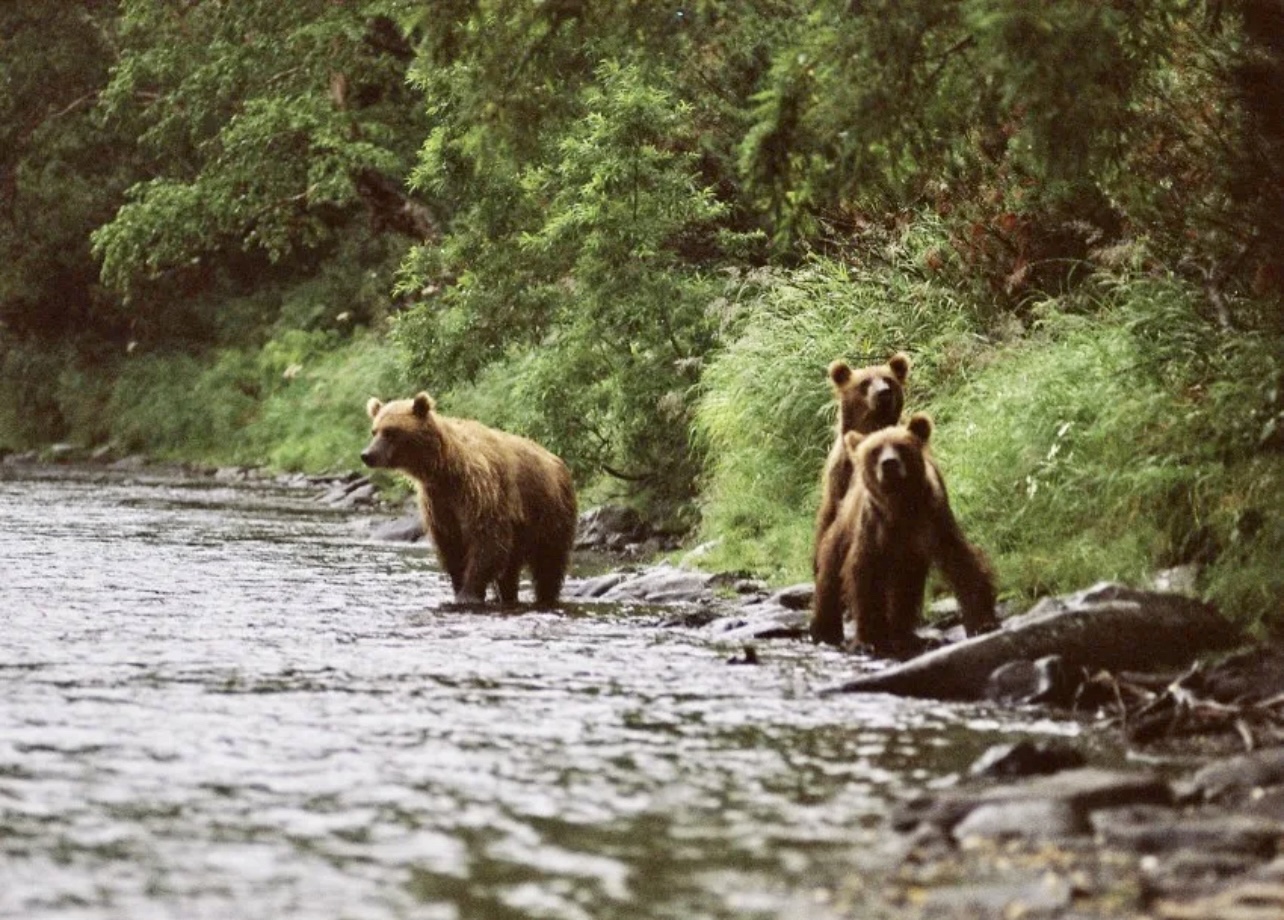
[{"x": 639, "y": 231}]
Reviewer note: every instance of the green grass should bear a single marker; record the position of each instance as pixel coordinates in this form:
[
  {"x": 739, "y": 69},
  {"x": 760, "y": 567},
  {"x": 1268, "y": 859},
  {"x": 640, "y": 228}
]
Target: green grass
[
  {"x": 1120, "y": 433},
  {"x": 298, "y": 403}
]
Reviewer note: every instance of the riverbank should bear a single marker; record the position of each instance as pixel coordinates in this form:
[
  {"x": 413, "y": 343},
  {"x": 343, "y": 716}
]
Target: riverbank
[{"x": 1180, "y": 827}]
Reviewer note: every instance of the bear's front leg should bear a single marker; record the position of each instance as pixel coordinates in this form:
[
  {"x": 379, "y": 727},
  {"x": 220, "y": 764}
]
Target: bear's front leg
[
  {"x": 481, "y": 568},
  {"x": 827, "y": 602},
  {"x": 867, "y": 598},
  {"x": 969, "y": 574}
]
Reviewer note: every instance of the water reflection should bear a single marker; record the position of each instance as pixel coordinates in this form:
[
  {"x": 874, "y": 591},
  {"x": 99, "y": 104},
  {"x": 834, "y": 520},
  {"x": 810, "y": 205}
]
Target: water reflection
[{"x": 224, "y": 701}]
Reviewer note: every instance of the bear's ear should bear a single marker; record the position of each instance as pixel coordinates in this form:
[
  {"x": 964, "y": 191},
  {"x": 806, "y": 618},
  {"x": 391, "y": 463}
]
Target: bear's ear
[
  {"x": 900, "y": 365},
  {"x": 373, "y": 407},
  {"x": 920, "y": 426},
  {"x": 422, "y": 405},
  {"x": 839, "y": 373},
  {"x": 851, "y": 440}
]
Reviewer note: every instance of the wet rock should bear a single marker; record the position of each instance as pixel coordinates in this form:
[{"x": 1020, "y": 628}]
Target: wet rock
[
  {"x": 780, "y": 615},
  {"x": 1025, "y": 682},
  {"x": 1037, "y": 895},
  {"x": 1239, "y": 778},
  {"x": 1026, "y": 758},
  {"x": 1180, "y": 579},
  {"x": 355, "y": 493},
  {"x": 596, "y": 586},
  {"x": 406, "y": 529},
  {"x": 795, "y": 597},
  {"x": 662, "y": 584},
  {"x": 748, "y": 656},
  {"x": 1150, "y": 829},
  {"x": 1069, "y": 796},
  {"x": 130, "y": 463},
  {"x": 1188, "y": 874},
  {"x": 610, "y": 528},
  {"x": 693, "y": 557},
  {"x": 691, "y": 619},
  {"x": 63, "y": 453},
  {"x": 1032, "y": 819},
  {"x": 760, "y": 622},
  {"x": 1245, "y": 677},
  {"x": 1108, "y": 627},
  {"x": 1244, "y": 900}
]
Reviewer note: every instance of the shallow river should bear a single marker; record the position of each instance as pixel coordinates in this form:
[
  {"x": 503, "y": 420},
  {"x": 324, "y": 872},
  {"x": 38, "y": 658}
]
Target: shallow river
[{"x": 224, "y": 701}]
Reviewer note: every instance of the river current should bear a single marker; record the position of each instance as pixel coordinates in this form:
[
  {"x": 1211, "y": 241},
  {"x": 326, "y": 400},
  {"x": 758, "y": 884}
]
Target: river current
[{"x": 225, "y": 701}]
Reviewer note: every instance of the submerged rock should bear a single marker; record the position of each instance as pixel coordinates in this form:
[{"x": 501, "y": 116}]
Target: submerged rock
[
  {"x": 1026, "y": 758},
  {"x": 1107, "y": 626}
]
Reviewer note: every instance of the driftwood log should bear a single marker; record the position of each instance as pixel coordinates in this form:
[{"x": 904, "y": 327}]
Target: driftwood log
[{"x": 1108, "y": 626}]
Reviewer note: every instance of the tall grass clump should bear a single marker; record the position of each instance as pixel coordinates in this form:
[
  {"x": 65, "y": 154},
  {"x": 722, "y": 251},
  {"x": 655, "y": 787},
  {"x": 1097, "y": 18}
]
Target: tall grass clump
[
  {"x": 1123, "y": 430},
  {"x": 1126, "y": 433},
  {"x": 766, "y": 413}
]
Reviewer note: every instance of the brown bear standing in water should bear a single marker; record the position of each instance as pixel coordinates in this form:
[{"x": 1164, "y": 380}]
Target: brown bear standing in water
[
  {"x": 868, "y": 399},
  {"x": 493, "y": 502},
  {"x": 893, "y": 524}
]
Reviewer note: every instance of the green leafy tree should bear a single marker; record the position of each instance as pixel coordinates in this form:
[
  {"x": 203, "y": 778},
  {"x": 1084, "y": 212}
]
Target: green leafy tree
[
  {"x": 275, "y": 128},
  {"x": 62, "y": 172}
]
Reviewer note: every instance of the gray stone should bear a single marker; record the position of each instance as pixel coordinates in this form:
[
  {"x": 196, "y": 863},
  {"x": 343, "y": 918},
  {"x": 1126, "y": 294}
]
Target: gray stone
[
  {"x": 1237, "y": 777},
  {"x": 596, "y": 586},
  {"x": 1191, "y": 873},
  {"x": 1180, "y": 579},
  {"x": 1108, "y": 627},
  {"x": 1044, "y": 895},
  {"x": 406, "y": 529},
  {"x": 1082, "y": 791},
  {"x": 663, "y": 584},
  {"x": 610, "y": 527},
  {"x": 1026, "y": 758},
  {"x": 1161, "y": 830},
  {"x": 1031, "y": 819},
  {"x": 794, "y": 597}
]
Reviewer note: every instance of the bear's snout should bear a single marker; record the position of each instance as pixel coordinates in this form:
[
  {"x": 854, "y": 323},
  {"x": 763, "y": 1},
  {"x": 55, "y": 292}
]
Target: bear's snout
[
  {"x": 374, "y": 454},
  {"x": 891, "y": 468}
]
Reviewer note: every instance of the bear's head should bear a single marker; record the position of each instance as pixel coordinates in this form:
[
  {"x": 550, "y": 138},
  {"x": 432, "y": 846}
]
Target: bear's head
[
  {"x": 404, "y": 433},
  {"x": 892, "y": 462},
  {"x": 872, "y": 397}
]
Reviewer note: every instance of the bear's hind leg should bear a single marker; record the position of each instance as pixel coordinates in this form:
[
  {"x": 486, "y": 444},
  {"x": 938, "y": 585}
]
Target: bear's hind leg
[
  {"x": 507, "y": 584},
  {"x": 548, "y": 571},
  {"x": 968, "y": 571}
]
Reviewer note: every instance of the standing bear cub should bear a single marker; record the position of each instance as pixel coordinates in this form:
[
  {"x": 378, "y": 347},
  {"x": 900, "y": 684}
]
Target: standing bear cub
[
  {"x": 892, "y": 525},
  {"x": 493, "y": 502},
  {"x": 868, "y": 399}
]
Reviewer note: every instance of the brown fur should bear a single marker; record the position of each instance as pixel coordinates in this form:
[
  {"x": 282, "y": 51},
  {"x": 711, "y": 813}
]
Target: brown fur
[
  {"x": 868, "y": 399},
  {"x": 892, "y": 525},
  {"x": 493, "y": 502}
]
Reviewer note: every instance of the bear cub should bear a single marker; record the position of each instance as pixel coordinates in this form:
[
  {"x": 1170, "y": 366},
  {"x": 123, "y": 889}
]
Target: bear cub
[
  {"x": 891, "y": 526},
  {"x": 868, "y": 399},
  {"x": 494, "y": 503}
]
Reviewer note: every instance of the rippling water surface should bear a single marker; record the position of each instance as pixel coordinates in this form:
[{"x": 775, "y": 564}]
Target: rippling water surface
[{"x": 224, "y": 701}]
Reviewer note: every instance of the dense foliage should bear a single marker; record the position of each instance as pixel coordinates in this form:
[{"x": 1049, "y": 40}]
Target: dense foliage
[{"x": 639, "y": 232}]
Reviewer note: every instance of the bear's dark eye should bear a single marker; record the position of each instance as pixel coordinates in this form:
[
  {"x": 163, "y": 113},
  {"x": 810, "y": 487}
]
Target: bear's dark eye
[{"x": 864, "y": 386}]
